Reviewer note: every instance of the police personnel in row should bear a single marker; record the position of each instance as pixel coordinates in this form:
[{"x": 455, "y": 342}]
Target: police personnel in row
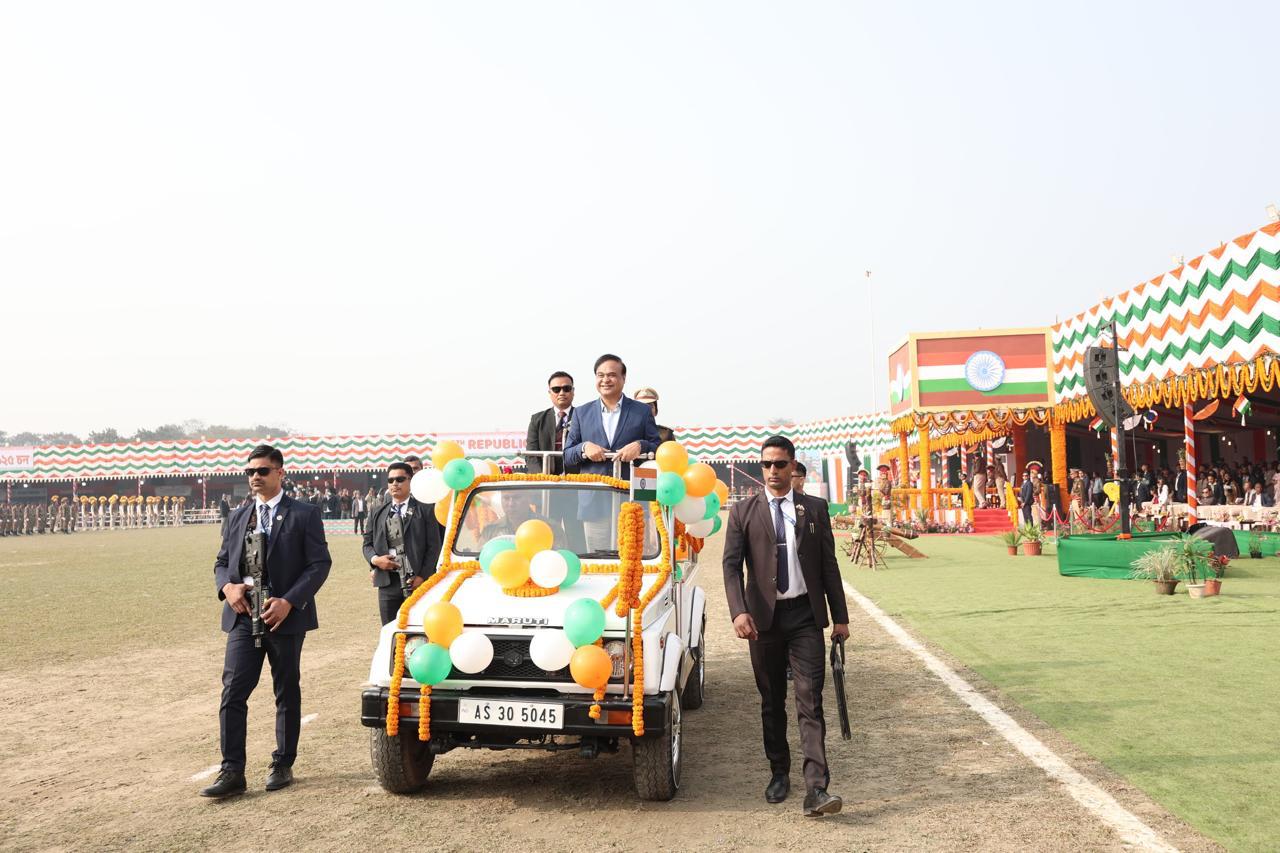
[
  {"x": 422, "y": 541},
  {"x": 297, "y": 563}
]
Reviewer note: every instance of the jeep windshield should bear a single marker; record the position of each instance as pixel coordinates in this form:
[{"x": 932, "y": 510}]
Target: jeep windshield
[{"x": 584, "y": 520}]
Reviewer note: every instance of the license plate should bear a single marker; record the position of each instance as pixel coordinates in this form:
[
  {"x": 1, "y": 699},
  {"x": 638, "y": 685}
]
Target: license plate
[{"x": 495, "y": 712}]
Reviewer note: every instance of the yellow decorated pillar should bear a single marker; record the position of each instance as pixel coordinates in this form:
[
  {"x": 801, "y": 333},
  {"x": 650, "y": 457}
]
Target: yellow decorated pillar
[
  {"x": 904, "y": 462},
  {"x": 926, "y": 487},
  {"x": 1058, "y": 455}
]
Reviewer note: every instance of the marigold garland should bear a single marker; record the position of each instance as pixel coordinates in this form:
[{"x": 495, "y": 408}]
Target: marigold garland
[
  {"x": 630, "y": 550},
  {"x": 424, "y": 713},
  {"x": 637, "y": 669},
  {"x": 393, "y": 700}
]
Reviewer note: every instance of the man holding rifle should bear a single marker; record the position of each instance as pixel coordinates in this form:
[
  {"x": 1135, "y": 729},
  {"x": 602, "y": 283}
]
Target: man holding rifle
[
  {"x": 281, "y": 541},
  {"x": 401, "y": 542}
]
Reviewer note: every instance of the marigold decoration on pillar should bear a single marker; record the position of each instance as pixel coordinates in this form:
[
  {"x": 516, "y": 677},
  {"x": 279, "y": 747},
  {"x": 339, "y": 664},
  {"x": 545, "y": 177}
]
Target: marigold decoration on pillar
[
  {"x": 904, "y": 461},
  {"x": 1189, "y": 453},
  {"x": 1058, "y": 460},
  {"x": 922, "y": 448}
]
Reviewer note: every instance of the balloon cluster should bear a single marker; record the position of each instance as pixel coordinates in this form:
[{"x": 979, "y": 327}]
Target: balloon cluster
[
  {"x": 574, "y": 646},
  {"x": 513, "y": 561},
  {"x": 690, "y": 489},
  {"x": 453, "y": 472},
  {"x": 448, "y": 646}
]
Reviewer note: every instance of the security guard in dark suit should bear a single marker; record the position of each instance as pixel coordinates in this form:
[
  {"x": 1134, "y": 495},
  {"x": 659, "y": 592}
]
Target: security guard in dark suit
[
  {"x": 296, "y": 564},
  {"x": 422, "y": 541}
]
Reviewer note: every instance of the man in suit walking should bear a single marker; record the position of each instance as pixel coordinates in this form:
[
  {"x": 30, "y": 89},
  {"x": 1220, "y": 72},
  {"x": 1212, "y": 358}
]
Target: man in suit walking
[
  {"x": 422, "y": 541},
  {"x": 614, "y": 425},
  {"x": 295, "y": 566},
  {"x": 785, "y": 540}
]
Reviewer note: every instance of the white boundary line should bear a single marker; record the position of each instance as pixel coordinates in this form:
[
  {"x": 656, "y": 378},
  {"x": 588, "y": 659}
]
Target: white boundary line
[
  {"x": 1127, "y": 825},
  {"x": 209, "y": 771}
]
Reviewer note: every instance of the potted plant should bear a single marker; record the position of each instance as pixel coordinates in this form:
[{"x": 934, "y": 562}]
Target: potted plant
[
  {"x": 1032, "y": 539},
  {"x": 1011, "y": 539},
  {"x": 1255, "y": 546},
  {"x": 1160, "y": 565},
  {"x": 1194, "y": 554},
  {"x": 1217, "y": 568}
]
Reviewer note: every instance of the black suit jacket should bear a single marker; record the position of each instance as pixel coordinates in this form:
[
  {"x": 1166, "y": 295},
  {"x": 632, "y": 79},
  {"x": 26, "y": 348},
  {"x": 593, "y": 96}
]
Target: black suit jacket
[
  {"x": 542, "y": 436},
  {"x": 1180, "y": 487},
  {"x": 422, "y": 541},
  {"x": 1219, "y": 495},
  {"x": 297, "y": 560},
  {"x": 749, "y": 539}
]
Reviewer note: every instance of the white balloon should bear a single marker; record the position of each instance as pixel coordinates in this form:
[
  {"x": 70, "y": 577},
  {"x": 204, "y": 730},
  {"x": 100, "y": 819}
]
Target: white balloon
[
  {"x": 691, "y": 510},
  {"x": 481, "y": 467},
  {"x": 471, "y": 652},
  {"x": 428, "y": 486},
  {"x": 550, "y": 649},
  {"x": 548, "y": 569},
  {"x": 702, "y": 529}
]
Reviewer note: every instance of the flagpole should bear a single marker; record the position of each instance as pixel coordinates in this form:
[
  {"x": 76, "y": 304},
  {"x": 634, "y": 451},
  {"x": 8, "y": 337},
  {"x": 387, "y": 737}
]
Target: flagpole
[{"x": 871, "y": 326}]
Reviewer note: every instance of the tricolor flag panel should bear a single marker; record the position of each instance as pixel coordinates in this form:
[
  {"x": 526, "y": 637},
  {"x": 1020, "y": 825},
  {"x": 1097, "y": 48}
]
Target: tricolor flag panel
[
  {"x": 644, "y": 484},
  {"x": 983, "y": 370}
]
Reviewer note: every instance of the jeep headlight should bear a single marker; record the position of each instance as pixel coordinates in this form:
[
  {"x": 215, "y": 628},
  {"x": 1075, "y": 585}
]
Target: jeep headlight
[
  {"x": 617, "y": 652},
  {"x": 412, "y": 643}
]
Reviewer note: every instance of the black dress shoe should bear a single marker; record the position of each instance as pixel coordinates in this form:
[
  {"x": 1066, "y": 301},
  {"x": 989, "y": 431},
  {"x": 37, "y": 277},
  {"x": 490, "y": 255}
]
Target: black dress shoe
[
  {"x": 818, "y": 802},
  {"x": 779, "y": 787},
  {"x": 230, "y": 782},
  {"x": 279, "y": 777}
]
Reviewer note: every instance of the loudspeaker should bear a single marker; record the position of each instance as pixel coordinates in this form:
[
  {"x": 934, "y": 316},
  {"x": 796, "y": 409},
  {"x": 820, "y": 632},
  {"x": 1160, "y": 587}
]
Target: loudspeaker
[
  {"x": 1101, "y": 373},
  {"x": 851, "y": 453}
]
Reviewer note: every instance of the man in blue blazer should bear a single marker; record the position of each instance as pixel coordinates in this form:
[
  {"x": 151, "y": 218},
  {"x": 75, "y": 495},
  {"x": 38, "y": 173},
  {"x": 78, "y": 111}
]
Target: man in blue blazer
[
  {"x": 612, "y": 424},
  {"x": 296, "y": 565}
]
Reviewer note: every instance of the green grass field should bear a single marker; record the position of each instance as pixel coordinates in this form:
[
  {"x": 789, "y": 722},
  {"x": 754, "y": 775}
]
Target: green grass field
[{"x": 1177, "y": 695}]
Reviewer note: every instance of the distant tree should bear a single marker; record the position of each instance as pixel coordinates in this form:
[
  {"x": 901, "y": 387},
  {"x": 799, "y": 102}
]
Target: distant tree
[
  {"x": 105, "y": 436},
  {"x": 60, "y": 438},
  {"x": 778, "y": 423},
  {"x": 26, "y": 438},
  {"x": 164, "y": 432}
]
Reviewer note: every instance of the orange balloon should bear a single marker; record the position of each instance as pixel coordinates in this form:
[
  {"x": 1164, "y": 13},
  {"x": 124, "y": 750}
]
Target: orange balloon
[
  {"x": 699, "y": 480},
  {"x": 591, "y": 667},
  {"x": 722, "y": 492},
  {"x": 446, "y": 452},
  {"x": 442, "y": 623},
  {"x": 442, "y": 510},
  {"x": 672, "y": 457},
  {"x": 533, "y": 536},
  {"x": 510, "y": 569}
]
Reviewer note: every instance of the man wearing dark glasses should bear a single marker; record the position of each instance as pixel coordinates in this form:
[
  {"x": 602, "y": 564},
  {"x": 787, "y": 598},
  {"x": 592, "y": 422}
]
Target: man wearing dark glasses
[
  {"x": 784, "y": 538},
  {"x": 296, "y": 564},
  {"x": 550, "y": 427},
  {"x": 421, "y": 541}
]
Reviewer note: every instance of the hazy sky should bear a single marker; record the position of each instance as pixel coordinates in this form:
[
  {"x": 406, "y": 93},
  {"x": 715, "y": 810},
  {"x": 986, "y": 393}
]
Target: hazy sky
[{"x": 378, "y": 217}]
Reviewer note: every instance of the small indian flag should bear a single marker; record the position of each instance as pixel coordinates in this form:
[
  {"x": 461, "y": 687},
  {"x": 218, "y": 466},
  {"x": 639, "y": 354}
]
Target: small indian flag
[
  {"x": 1242, "y": 407},
  {"x": 644, "y": 484},
  {"x": 1096, "y": 423}
]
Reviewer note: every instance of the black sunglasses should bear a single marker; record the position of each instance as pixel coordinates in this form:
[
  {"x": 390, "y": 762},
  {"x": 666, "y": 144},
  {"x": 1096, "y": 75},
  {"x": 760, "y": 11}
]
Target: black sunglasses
[
  {"x": 397, "y": 479},
  {"x": 561, "y": 389},
  {"x": 775, "y": 463},
  {"x": 261, "y": 471}
]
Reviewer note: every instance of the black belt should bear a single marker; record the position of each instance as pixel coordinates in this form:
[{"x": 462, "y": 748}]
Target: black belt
[{"x": 792, "y": 602}]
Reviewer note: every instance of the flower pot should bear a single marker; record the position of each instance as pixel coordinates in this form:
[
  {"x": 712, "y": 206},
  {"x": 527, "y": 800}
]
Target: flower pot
[
  {"x": 1195, "y": 590},
  {"x": 1031, "y": 549},
  {"x": 1257, "y": 555},
  {"x": 1013, "y": 550},
  {"x": 1212, "y": 586},
  {"x": 1166, "y": 587}
]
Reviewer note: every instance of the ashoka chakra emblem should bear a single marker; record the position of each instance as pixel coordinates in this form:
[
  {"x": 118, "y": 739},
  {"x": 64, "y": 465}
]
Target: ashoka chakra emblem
[{"x": 984, "y": 371}]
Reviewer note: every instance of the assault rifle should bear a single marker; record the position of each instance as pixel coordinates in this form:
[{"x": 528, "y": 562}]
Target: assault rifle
[
  {"x": 255, "y": 558},
  {"x": 395, "y": 544}
]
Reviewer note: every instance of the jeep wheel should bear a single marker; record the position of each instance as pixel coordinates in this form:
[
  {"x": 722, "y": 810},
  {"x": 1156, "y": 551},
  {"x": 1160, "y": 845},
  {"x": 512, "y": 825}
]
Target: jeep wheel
[
  {"x": 656, "y": 758},
  {"x": 401, "y": 763},
  {"x": 696, "y": 685}
]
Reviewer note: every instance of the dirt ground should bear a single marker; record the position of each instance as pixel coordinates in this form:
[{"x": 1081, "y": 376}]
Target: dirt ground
[{"x": 103, "y": 758}]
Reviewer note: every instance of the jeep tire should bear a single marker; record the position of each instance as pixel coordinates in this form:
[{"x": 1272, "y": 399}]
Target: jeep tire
[
  {"x": 656, "y": 758},
  {"x": 401, "y": 763},
  {"x": 695, "y": 686}
]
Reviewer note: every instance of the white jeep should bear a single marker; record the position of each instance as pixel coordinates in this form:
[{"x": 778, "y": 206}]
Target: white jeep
[{"x": 513, "y": 703}]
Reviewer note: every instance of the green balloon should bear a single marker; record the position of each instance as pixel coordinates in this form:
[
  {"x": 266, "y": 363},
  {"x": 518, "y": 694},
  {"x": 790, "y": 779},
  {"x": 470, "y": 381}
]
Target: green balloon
[
  {"x": 493, "y": 548},
  {"x": 713, "y": 506},
  {"x": 584, "y": 622},
  {"x": 670, "y": 488},
  {"x": 715, "y": 528},
  {"x": 430, "y": 664},
  {"x": 458, "y": 474},
  {"x": 574, "y": 562}
]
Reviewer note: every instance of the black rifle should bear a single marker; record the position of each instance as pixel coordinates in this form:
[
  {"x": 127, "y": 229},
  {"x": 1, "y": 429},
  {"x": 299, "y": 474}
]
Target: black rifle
[
  {"x": 255, "y": 558},
  {"x": 837, "y": 675},
  {"x": 395, "y": 544}
]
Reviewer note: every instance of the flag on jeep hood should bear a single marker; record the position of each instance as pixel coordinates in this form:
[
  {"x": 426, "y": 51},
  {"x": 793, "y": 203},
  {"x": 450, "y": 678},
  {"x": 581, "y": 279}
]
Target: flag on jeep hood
[{"x": 644, "y": 484}]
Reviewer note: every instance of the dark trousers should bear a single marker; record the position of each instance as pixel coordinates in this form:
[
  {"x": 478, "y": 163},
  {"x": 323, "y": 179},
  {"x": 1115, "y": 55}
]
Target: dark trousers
[
  {"x": 389, "y": 600},
  {"x": 240, "y": 673},
  {"x": 358, "y": 527},
  {"x": 793, "y": 638}
]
